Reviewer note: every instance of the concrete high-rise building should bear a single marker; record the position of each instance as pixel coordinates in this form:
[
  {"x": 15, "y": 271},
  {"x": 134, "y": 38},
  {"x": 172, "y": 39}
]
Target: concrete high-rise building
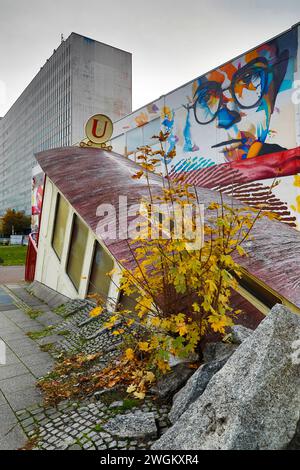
[{"x": 83, "y": 77}]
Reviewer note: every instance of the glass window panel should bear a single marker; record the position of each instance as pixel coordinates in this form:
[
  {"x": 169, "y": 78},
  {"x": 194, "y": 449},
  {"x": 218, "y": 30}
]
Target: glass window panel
[
  {"x": 77, "y": 251},
  {"x": 134, "y": 139},
  {"x": 60, "y": 222},
  {"x": 150, "y": 129},
  {"x": 118, "y": 144},
  {"x": 102, "y": 264}
]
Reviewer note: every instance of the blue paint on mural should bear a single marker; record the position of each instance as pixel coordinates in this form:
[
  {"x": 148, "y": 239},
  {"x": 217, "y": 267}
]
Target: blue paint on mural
[
  {"x": 193, "y": 163},
  {"x": 188, "y": 144}
]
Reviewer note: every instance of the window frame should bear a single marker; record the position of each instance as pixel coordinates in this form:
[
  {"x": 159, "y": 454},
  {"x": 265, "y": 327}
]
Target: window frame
[
  {"x": 92, "y": 263},
  {"x": 74, "y": 215},
  {"x": 264, "y": 292},
  {"x": 59, "y": 197}
]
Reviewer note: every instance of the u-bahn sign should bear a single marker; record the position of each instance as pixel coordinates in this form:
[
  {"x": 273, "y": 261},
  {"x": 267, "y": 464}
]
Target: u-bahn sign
[{"x": 98, "y": 131}]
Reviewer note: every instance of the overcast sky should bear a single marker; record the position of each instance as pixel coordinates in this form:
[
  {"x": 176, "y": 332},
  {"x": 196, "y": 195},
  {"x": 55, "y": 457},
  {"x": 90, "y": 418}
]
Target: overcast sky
[{"x": 172, "y": 41}]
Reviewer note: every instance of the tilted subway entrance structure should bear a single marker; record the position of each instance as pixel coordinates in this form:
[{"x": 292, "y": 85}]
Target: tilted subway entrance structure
[{"x": 73, "y": 259}]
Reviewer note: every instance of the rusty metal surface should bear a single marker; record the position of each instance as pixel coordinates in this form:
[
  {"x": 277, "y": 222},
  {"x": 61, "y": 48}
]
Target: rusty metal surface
[{"x": 90, "y": 177}]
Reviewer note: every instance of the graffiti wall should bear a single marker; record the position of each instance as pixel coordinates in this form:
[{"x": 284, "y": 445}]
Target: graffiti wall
[
  {"x": 36, "y": 197},
  {"x": 235, "y": 128}
]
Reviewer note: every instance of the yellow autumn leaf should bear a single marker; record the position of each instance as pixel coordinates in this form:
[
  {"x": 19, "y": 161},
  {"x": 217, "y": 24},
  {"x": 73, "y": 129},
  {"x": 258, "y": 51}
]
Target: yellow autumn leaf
[
  {"x": 165, "y": 324},
  {"x": 138, "y": 175},
  {"x": 212, "y": 286},
  {"x": 144, "y": 346},
  {"x": 131, "y": 388},
  {"x": 137, "y": 374},
  {"x": 219, "y": 322},
  {"x": 111, "y": 322},
  {"x": 182, "y": 329},
  {"x": 149, "y": 377},
  {"x": 96, "y": 312},
  {"x": 154, "y": 342},
  {"x": 155, "y": 321},
  {"x": 139, "y": 395},
  {"x": 92, "y": 357},
  {"x": 241, "y": 250},
  {"x": 213, "y": 206},
  {"x": 163, "y": 365},
  {"x": 129, "y": 354}
]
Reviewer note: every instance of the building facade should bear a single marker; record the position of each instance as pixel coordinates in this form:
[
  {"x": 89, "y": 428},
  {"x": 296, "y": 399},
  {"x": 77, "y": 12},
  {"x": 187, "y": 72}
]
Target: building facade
[
  {"x": 235, "y": 129},
  {"x": 82, "y": 77}
]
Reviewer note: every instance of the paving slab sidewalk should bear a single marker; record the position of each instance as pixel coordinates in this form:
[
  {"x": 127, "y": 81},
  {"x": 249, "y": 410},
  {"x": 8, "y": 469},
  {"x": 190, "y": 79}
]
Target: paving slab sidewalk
[
  {"x": 12, "y": 274},
  {"x": 23, "y": 364}
]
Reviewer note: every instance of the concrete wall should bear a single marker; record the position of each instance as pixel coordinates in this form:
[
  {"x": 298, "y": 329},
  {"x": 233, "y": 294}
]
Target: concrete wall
[{"x": 101, "y": 82}]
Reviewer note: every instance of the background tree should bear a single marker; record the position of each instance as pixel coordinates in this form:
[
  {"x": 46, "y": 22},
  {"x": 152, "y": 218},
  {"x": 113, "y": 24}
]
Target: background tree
[{"x": 15, "y": 221}]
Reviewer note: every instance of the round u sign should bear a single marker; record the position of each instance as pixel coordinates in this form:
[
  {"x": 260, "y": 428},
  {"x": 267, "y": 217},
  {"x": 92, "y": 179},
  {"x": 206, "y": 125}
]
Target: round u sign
[{"x": 99, "y": 129}]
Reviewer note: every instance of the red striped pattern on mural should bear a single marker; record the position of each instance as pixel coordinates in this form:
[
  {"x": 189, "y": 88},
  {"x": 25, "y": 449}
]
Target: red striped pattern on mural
[{"x": 239, "y": 179}]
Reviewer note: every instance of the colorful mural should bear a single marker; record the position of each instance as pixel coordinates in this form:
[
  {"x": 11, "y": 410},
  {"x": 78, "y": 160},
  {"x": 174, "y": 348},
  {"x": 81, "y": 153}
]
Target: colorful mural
[
  {"x": 238, "y": 100},
  {"x": 235, "y": 125},
  {"x": 37, "y": 198}
]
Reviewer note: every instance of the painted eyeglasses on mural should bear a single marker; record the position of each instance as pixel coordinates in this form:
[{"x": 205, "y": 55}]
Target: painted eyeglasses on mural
[
  {"x": 247, "y": 88},
  {"x": 238, "y": 99}
]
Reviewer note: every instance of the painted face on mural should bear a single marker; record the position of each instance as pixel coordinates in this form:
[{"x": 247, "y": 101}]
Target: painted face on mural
[{"x": 234, "y": 104}]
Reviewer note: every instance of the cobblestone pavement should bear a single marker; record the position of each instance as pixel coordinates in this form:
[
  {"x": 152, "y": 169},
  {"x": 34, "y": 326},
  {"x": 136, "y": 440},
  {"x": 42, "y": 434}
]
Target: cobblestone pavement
[
  {"x": 79, "y": 425},
  {"x": 70, "y": 424}
]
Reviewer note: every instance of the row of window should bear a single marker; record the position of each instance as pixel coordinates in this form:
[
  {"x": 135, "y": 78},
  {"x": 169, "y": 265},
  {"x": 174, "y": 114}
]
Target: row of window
[
  {"x": 137, "y": 137},
  {"x": 102, "y": 263}
]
